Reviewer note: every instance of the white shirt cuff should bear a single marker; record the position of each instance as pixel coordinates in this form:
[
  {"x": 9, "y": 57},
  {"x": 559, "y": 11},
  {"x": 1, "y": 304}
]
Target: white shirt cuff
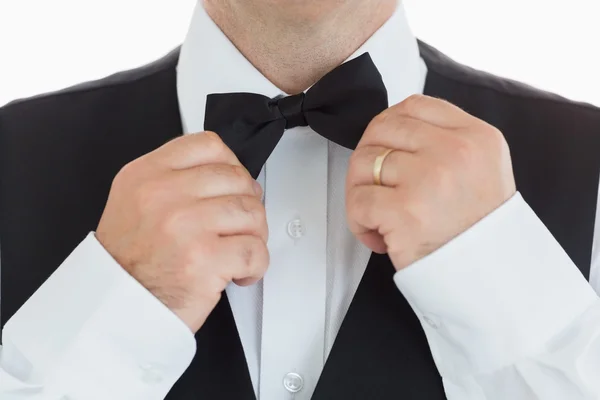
[
  {"x": 92, "y": 331},
  {"x": 495, "y": 294}
]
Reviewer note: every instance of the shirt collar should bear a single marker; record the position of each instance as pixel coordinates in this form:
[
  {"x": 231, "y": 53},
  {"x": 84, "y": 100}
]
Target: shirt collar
[{"x": 210, "y": 63}]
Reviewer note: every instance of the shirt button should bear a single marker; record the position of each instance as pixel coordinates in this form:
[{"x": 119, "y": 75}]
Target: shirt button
[
  {"x": 151, "y": 374},
  {"x": 431, "y": 322},
  {"x": 293, "y": 382},
  {"x": 295, "y": 229}
]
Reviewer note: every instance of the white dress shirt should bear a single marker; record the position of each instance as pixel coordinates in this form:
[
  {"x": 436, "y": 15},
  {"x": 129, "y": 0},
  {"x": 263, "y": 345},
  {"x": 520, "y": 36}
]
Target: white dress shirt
[
  {"x": 511, "y": 318},
  {"x": 288, "y": 323}
]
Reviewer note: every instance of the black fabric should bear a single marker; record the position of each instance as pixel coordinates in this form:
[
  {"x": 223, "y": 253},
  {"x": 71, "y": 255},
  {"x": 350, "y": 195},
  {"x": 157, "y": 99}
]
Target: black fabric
[
  {"x": 380, "y": 346},
  {"x": 292, "y": 110},
  {"x": 59, "y": 153},
  {"x": 339, "y": 107},
  {"x": 554, "y": 145}
]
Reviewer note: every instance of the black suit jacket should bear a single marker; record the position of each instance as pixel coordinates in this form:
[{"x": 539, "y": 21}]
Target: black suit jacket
[{"x": 59, "y": 153}]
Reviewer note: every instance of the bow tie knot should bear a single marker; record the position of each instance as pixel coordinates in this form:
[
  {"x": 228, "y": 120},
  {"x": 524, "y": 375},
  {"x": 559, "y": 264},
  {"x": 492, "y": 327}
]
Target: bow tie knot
[
  {"x": 339, "y": 107},
  {"x": 292, "y": 110}
]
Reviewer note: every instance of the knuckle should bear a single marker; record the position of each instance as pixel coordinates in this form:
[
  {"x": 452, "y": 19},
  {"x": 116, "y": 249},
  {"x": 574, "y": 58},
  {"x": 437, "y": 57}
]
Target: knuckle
[
  {"x": 249, "y": 255},
  {"x": 213, "y": 143},
  {"x": 185, "y": 273},
  {"x": 147, "y": 194},
  {"x": 359, "y": 200},
  {"x": 381, "y": 118},
  {"x": 266, "y": 257},
  {"x": 355, "y": 156},
  {"x": 414, "y": 205},
  {"x": 225, "y": 171},
  {"x": 464, "y": 149},
  {"x": 416, "y": 215},
  {"x": 258, "y": 257},
  {"x": 379, "y": 122},
  {"x": 360, "y": 154},
  {"x": 210, "y": 135},
  {"x": 262, "y": 229},
  {"x": 411, "y": 103},
  {"x": 496, "y": 139},
  {"x": 238, "y": 204},
  {"x": 251, "y": 206},
  {"x": 128, "y": 170},
  {"x": 230, "y": 206},
  {"x": 240, "y": 175},
  {"x": 442, "y": 177},
  {"x": 212, "y": 288},
  {"x": 239, "y": 172},
  {"x": 126, "y": 176},
  {"x": 172, "y": 222},
  {"x": 351, "y": 202},
  {"x": 260, "y": 212},
  {"x": 356, "y": 196},
  {"x": 396, "y": 210},
  {"x": 178, "y": 141},
  {"x": 198, "y": 252}
]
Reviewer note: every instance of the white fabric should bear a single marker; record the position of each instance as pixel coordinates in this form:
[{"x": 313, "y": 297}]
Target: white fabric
[
  {"x": 92, "y": 332},
  {"x": 289, "y": 322},
  {"x": 506, "y": 313}
]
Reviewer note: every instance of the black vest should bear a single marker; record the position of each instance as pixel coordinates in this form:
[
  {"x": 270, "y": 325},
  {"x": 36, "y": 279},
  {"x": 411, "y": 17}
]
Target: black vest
[{"x": 60, "y": 152}]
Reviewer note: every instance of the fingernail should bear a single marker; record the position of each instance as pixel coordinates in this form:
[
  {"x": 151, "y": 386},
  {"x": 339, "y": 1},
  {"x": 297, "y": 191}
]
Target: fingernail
[{"x": 257, "y": 188}]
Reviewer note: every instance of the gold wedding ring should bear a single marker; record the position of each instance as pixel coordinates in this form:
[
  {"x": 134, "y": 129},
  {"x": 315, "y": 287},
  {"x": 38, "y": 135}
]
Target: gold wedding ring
[{"x": 378, "y": 166}]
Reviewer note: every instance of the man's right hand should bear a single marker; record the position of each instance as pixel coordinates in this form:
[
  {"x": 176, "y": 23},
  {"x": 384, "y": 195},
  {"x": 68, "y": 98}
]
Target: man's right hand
[{"x": 185, "y": 220}]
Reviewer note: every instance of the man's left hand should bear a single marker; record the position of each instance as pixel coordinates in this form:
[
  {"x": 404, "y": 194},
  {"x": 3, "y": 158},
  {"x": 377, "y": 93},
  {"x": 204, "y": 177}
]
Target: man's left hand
[{"x": 447, "y": 171}]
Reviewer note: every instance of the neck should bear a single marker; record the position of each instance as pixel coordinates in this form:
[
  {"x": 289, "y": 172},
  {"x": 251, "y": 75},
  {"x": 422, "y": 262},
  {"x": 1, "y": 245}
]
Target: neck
[{"x": 296, "y": 47}]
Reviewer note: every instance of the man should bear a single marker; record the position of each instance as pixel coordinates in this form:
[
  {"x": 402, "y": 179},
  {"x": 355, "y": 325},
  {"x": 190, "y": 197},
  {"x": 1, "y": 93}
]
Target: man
[{"x": 402, "y": 261}]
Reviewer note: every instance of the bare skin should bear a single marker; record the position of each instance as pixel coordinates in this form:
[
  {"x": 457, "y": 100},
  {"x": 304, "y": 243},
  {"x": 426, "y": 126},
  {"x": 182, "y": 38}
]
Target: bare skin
[
  {"x": 187, "y": 219},
  {"x": 295, "y": 42}
]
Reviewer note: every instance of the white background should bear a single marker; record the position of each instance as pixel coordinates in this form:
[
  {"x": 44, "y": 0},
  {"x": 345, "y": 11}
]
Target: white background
[{"x": 49, "y": 44}]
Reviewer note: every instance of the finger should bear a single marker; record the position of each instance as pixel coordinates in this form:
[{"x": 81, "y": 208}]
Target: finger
[
  {"x": 397, "y": 166},
  {"x": 244, "y": 258},
  {"x": 213, "y": 180},
  {"x": 371, "y": 208},
  {"x": 396, "y": 131},
  {"x": 374, "y": 241},
  {"x": 192, "y": 150},
  {"x": 234, "y": 215},
  {"x": 434, "y": 111}
]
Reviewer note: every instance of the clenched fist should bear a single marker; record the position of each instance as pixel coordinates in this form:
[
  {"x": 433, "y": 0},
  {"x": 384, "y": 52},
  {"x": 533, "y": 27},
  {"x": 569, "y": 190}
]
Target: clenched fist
[
  {"x": 185, "y": 220},
  {"x": 447, "y": 170}
]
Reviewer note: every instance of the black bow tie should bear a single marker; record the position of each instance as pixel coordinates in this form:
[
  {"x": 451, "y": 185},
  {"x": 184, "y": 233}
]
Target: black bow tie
[{"x": 338, "y": 107}]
